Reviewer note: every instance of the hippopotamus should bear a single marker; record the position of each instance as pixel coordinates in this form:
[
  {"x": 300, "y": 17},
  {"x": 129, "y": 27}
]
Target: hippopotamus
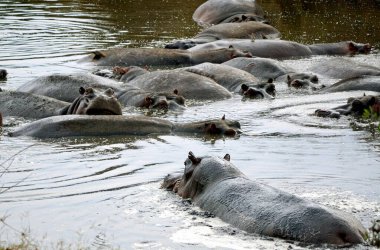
[
  {"x": 369, "y": 83},
  {"x": 3, "y": 74},
  {"x": 266, "y": 69},
  {"x": 160, "y": 57},
  {"x": 104, "y": 125},
  {"x": 342, "y": 68},
  {"x": 220, "y": 11},
  {"x": 248, "y": 30},
  {"x": 218, "y": 187},
  {"x": 65, "y": 87},
  {"x": 15, "y": 103},
  {"x": 340, "y": 48},
  {"x": 281, "y": 49},
  {"x": 354, "y": 107},
  {"x": 92, "y": 102},
  {"x": 235, "y": 80},
  {"x": 189, "y": 85}
]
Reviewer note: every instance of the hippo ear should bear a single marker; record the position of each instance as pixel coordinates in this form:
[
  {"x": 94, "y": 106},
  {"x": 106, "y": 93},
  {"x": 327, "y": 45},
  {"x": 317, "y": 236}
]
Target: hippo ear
[
  {"x": 352, "y": 47},
  {"x": 148, "y": 99},
  {"x": 289, "y": 79},
  {"x": 193, "y": 159},
  {"x": 372, "y": 101},
  {"x": 270, "y": 80},
  {"x": 364, "y": 94},
  {"x": 227, "y": 157},
  {"x": 223, "y": 117},
  {"x": 82, "y": 90},
  {"x": 98, "y": 55},
  {"x": 230, "y": 47},
  {"x": 244, "y": 17},
  {"x": 175, "y": 91},
  {"x": 244, "y": 87}
]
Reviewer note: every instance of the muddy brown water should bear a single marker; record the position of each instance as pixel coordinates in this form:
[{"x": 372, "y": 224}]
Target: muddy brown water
[{"x": 104, "y": 192}]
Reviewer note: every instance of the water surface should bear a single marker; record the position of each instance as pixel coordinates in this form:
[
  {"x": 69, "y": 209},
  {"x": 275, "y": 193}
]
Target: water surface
[{"x": 104, "y": 192}]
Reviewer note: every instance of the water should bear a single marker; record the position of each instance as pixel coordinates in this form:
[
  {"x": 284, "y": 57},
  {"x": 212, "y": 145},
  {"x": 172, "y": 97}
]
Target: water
[{"x": 104, "y": 192}]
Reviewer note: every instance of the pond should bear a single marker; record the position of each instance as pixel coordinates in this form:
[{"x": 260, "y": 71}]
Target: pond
[{"x": 104, "y": 192}]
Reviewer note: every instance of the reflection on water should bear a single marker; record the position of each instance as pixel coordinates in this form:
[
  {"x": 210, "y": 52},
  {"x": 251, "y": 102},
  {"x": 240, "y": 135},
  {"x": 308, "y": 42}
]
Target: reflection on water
[{"x": 103, "y": 192}]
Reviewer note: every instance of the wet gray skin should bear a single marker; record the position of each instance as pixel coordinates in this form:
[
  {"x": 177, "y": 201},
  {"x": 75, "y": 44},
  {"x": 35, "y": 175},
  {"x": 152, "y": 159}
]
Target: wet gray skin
[
  {"x": 217, "y": 186},
  {"x": 105, "y": 125},
  {"x": 354, "y": 107},
  {"x": 297, "y": 82},
  {"x": 15, "y": 103},
  {"x": 344, "y": 68},
  {"x": 246, "y": 30},
  {"x": 92, "y": 102},
  {"x": 65, "y": 87},
  {"x": 281, "y": 49},
  {"x": 368, "y": 83},
  {"x": 189, "y": 85},
  {"x": 157, "y": 56},
  {"x": 231, "y": 78},
  {"x": 218, "y": 11}
]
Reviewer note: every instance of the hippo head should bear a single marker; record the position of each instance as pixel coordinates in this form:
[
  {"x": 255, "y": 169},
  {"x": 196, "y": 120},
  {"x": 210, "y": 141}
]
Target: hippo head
[
  {"x": 164, "y": 101},
  {"x": 234, "y": 53},
  {"x": 90, "y": 102},
  {"x": 210, "y": 127},
  {"x": 126, "y": 74},
  {"x": 200, "y": 172},
  {"x": 354, "y": 106},
  {"x": 304, "y": 81},
  {"x": 359, "y": 48},
  {"x": 259, "y": 91},
  {"x": 182, "y": 44}
]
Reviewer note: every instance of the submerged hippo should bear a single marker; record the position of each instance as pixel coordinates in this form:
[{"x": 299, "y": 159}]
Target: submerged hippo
[
  {"x": 14, "y": 103},
  {"x": 247, "y": 30},
  {"x": 92, "y": 102},
  {"x": 235, "y": 80},
  {"x": 189, "y": 85},
  {"x": 369, "y": 83},
  {"x": 65, "y": 87},
  {"x": 104, "y": 125},
  {"x": 161, "y": 57},
  {"x": 281, "y": 49},
  {"x": 354, "y": 107},
  {"x": 344, "y": 68},
  {"x": 221, "y": 11},
  {"x": 266, "y": 69},
  {"x": 217, "y": 186}
]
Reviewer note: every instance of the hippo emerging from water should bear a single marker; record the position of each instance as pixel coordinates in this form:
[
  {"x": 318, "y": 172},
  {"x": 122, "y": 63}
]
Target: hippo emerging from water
[
  {"x": 281, "y": 49},
  {"x": 105, "y": 125},
  {"x": 224, "y": 11},
  {"x": 161, "y": 57},
  {"x": 217, "y": 186},
  {"x": 248, "y": 30},
  {"x": 354, "y": 107}
]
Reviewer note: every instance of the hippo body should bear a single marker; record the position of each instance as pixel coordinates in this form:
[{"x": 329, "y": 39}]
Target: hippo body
[
  {"x": 15, "y": 103},
  {"x": 354, "y": 107},
  {"x": 343, "y": 68},
  {"x": 160, "y": 57},
  {"x": 369, "y": 83},
  {"x": 217, "y": 11},
  {"x": 281, "y": 49},
  {"x": 278, "y": 49},
  {"x": 217, "y": 186},
  {"x": 3, "y": 74},
  {"x": 105, "y": 125},
  {"x": 340, "y": 48},
  {"x": 189, "y": 85},
  {"x": 246, "y": 30},
  {"x": 233, "y": 79},
  {"x": 65, "y": 87}
]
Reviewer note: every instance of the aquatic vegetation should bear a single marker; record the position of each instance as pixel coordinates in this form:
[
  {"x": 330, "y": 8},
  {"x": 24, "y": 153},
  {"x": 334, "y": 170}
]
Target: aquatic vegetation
[
  {"x": 374, "y": 234},
  {"x": 373, "y": 115}
]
